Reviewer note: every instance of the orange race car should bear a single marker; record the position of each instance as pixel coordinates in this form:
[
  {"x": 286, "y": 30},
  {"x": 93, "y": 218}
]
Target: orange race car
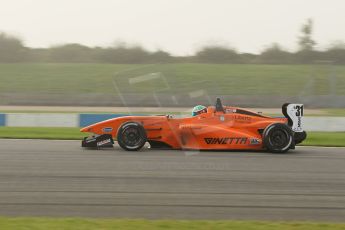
[{"x": 213, "y": 128}]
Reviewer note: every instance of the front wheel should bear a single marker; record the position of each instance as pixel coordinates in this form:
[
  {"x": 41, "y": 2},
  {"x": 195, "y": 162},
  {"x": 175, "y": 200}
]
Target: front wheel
[
  {"x": 131, "y": 136},
  {"x": 278, "y": 138}
]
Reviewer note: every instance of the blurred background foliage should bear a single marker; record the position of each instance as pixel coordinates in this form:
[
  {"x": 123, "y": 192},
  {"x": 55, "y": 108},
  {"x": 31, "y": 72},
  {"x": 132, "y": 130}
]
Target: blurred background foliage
[{"x": 12, "y": 49}]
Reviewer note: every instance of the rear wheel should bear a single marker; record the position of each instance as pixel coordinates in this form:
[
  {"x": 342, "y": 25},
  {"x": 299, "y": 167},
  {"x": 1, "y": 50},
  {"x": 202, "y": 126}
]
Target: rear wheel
[
  {"x": 278, "y": 138},
  {"x": 131, "y": 136}
]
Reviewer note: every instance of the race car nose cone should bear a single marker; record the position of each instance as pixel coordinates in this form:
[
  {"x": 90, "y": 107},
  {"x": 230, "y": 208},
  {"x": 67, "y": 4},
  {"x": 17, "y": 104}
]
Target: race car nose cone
[{"x": 86, "y": 129}]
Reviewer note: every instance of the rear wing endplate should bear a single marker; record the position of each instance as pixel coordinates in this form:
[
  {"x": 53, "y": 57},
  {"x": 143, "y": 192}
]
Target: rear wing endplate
[{"x": 294, "y": 114}]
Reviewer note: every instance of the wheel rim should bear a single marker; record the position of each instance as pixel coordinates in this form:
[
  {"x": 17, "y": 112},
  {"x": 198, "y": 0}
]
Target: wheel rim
[
  {"x": 279, "y": 139},
  {"x": 132, "y": 137}
]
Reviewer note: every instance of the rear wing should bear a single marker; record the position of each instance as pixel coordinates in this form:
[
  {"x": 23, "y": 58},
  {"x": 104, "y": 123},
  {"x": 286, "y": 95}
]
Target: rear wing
[{"x": 294, "y": 114}]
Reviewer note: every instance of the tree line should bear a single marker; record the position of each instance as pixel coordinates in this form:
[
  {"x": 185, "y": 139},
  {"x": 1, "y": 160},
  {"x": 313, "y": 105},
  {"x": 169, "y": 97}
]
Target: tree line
[{"x": 12, "y": 49}]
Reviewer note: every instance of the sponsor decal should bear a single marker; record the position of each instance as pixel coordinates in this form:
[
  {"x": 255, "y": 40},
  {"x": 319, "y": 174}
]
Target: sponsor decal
[
  {"x": 106, "y": 141},
  {"x": 226, "y": 140},
  {"x": 90, "y": 140},
  {"x": 254, "y": 141},
  {"x": 107, "y": 129},
  {"x": 222, "y": 118},
  {"x": 242, "y": 118},
  {"x": 299, "y": 122}
]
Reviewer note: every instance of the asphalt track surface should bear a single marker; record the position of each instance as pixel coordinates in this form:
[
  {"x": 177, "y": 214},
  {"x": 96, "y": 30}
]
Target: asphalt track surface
[{"x": 58, "y": 178}]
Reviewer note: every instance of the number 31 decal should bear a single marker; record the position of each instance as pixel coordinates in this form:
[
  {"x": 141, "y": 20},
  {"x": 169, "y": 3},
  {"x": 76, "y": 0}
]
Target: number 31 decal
[{"x": 299, "y": 110}]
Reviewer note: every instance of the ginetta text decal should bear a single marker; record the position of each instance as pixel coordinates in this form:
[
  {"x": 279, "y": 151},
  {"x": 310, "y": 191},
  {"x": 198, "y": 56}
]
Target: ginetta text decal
[{"x": 226, "y": 140}]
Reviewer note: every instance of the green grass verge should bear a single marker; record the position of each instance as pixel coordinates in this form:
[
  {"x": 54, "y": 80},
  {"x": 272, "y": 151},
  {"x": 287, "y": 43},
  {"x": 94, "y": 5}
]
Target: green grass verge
[
  {"x": 336, "y": 139},
  {"x": 314, "y": 138},
  {"x": 123, "y": 224},
  {"x": 41, "y": 133},
  {"x": 216, "y": 79}
]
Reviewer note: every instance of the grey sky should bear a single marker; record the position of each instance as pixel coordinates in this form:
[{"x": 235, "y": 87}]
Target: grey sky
[{"x": 178, "y": 26}]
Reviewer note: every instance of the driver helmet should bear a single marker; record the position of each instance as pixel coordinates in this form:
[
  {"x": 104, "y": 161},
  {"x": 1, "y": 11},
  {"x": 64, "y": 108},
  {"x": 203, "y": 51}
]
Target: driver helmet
[{"x": 198, "y": 110}]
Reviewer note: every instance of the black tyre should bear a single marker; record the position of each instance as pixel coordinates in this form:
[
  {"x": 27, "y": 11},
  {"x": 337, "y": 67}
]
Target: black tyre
[
  {"x": 131, "y": 136},
  {"x": 278, "y": 138}
]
